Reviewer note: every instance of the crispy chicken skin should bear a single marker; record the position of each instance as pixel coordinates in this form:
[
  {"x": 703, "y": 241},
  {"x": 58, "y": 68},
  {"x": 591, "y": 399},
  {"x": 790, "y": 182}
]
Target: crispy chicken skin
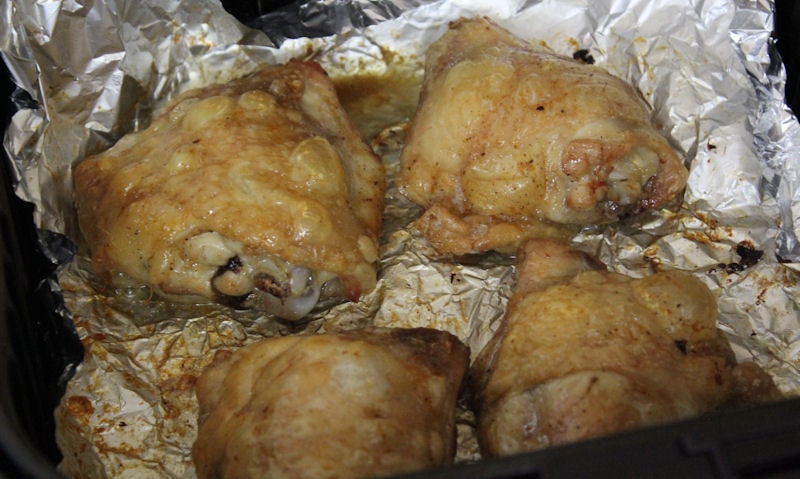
[
  {"x": 340, "y": 405},
  {"x": 585, "y": 352},
  {"x": 252, "y": 193},
  {"x": 508, "y": 134}
]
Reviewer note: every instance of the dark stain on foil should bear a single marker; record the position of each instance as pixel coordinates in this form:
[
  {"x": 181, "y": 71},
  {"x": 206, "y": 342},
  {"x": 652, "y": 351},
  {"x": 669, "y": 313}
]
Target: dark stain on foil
[
  {"x": 584, "y": 56},
  {"x": 749, "y": 255}
]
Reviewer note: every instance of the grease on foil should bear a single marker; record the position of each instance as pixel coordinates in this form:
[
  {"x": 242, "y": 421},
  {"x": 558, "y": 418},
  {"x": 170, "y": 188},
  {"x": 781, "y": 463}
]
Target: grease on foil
[{"x": 709, "y": 70}]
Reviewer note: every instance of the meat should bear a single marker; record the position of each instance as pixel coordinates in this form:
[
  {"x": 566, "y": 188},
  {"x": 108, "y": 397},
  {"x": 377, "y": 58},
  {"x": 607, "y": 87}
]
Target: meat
[
  {"x": 508, "y": 137},
  {"x": 584, "y": 352},
  {"x": 258, "y": 193},
  {"x": 340, "y": 405}
]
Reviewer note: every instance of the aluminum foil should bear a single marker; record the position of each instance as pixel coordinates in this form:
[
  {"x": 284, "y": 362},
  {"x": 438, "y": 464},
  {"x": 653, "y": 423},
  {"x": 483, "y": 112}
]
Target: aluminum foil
[{"x": 708, "y": 68}]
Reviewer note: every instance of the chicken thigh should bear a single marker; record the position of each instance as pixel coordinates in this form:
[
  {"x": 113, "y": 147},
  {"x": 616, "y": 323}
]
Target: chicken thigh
[
  {"x": 340, "y": 405},
  {"x": 258, "y": 193},
  {"x": 509, "y": 141},
  {"x": 584, "y": 352}
]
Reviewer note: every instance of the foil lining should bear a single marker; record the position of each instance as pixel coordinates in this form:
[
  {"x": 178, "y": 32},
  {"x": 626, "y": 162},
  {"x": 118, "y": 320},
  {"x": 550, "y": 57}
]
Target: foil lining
[{"x": 708, "y": 68}]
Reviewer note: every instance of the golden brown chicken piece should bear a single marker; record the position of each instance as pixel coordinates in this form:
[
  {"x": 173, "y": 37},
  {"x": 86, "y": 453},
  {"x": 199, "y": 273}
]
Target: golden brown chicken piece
[
  {"x": 584, "y": 352},
  {"x": 346, "y": 405},
  {"x": 254, "y": 193},
  {"x": 512, "y": 140}
]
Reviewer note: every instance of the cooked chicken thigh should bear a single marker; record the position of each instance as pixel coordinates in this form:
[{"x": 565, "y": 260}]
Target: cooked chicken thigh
[
  {"x": 584, "y": 352},
  {"x": 254, "y": 193},
  {"x": 345, "y": 405},
  {"x": 510, "y": 137}
]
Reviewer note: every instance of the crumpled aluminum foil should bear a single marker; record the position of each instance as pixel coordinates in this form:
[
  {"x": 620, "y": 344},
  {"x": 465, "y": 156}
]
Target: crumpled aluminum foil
[{"x": 709, "y": 69}]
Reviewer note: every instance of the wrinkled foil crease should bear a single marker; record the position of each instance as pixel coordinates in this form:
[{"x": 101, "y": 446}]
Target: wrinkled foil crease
[
  {"x": 709, "y": 69},
  {"x": 328, "y": 17}
]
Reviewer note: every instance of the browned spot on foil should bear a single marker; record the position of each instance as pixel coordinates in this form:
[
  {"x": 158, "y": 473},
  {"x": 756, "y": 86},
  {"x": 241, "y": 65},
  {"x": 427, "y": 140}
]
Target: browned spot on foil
[{"x": 80, "y": 407}]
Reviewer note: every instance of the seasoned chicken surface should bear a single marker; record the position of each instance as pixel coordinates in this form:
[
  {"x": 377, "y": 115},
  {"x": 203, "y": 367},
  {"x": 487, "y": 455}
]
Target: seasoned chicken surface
[
  {"x": 509, "y": 141},
  {"x": 584, "y": 352},
  {"x": 341, "y": 405},
  {"x": 255, "y": 193}
]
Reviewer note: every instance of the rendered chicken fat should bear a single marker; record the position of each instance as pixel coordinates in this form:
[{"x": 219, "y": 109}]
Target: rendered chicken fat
[{"x": 252, "y": 193}]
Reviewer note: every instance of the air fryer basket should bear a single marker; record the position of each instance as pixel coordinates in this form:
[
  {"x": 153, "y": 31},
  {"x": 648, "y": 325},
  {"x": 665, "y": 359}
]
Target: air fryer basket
[{"x": 39, "y": 349}]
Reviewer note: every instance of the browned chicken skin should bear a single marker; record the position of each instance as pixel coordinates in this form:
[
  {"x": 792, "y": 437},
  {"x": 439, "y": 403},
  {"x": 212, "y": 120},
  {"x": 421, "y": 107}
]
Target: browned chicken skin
[
  {"x": 253, "y": 193},
  {"x": 509, "y": 140},
  {"x": 345, "y": 405},
  {"x": 584, "y": 352}
]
